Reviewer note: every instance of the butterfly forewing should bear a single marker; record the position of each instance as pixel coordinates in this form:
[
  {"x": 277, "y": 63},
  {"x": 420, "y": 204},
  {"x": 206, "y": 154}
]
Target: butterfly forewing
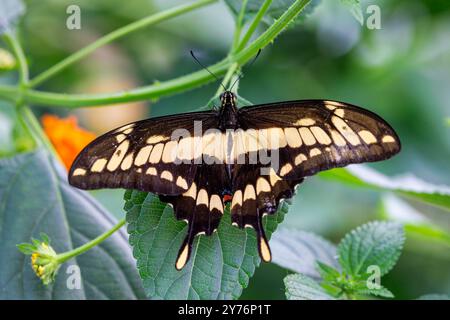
[
  {"x": 146, "y": 155},
  {"x": 316, "y": 135}
]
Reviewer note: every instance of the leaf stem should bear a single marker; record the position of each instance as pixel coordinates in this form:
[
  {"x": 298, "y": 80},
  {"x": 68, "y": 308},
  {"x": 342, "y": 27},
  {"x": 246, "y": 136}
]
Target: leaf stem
[
  {"x": 23, "y": 111},
  {"x": 116, "y": 34},
  {"x": 164, "y": 88},
  {"x": 254, "y": 24},
  {"x": 237, "y": 32},
  {"x": 63, "y": 257}
]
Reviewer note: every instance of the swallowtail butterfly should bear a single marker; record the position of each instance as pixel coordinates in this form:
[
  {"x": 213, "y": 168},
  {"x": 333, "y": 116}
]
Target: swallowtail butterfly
[{"x": 252, "y": 157}]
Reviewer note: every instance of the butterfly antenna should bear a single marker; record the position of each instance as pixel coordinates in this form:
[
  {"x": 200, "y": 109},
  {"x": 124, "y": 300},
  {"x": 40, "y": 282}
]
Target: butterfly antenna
[
  {"x": 201, "y": 65},
  {"x": 240, "y": 75}
]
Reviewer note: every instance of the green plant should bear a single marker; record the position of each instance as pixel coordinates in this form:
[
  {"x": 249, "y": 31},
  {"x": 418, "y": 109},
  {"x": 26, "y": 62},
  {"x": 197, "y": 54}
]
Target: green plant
[
  {"x": 365, "y": 255},
  {"x": 71, "y": 218}
]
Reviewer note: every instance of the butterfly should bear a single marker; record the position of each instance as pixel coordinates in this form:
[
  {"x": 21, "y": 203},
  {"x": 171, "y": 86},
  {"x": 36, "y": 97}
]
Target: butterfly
[{"x": 249, "y": 158}]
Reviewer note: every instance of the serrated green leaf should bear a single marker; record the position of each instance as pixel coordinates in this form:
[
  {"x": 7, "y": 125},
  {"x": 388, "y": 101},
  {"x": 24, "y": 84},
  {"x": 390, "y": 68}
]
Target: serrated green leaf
[
  {"x": 379, "y": 292},
  {"x": 10, "y": 12},
  {"x": 372, "y": 244},
  {"x": 299, "y": 250},
  {"x": 407, "y": 185},
  {"x": 220, "y": 265},
  {"x": 35, "y": 197},
  {"x": 301, "y": 287},
  {"x": 327, "y": 273}
]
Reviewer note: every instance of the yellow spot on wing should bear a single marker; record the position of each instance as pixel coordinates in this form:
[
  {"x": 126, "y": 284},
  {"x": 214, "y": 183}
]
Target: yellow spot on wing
[
  {"x": 262, "y": 185},
  {"x": 367, "y": 136},
  {"x": 156, "y": 139},
  {"x": 152, "y": 171},
  {"x": 321, "y": 136},
  {"x": 143, "y": 155},
  {"x": 388, "y": 138},
  {"x": 345, "y": 130},
  {"x": 237, "y": 199},
  {"x": 264, "y": 250},
  {"x": 300, "y": 158},
  {"x": 202, "y": 197},
  {"x": 182, "y": 183},
  {"x": 192, "y": 192},
  {"x": 99, "y": 165},
  {"x": 127, "y": 162},
  {"x": 337, "y": 138},
  {"x": 315, "y": 152},
  {"x": 274, "y": 178},
  {"x": 215, "y": 203},
  {"x": 79, "y": 172},
  {"x": 156, "y": 154},
  {"x": 305, "y": 122},
  {"x": 167, "y": 175},
  {"x": 293, "y": 137},
  {"x": 307, "y": 136},
  {"x": 120, "y": 137},
  {"x": 182, "y": 258},
  {"x": 170, "y": 152},
  {"x": 118, "y": 156},
  {"x": 249, "y": 193},
  {"x": 285, "y": 169}
]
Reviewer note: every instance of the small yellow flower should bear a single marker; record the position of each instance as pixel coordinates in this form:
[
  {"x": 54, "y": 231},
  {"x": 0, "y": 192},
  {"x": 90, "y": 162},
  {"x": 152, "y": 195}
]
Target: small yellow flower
[
  {"x": 66, "y": 136},
  {"x": 44, "y": 260}
]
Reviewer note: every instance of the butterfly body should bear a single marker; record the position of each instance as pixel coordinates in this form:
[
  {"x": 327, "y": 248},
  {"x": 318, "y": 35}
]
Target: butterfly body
[{"x": 250, "y": 158}]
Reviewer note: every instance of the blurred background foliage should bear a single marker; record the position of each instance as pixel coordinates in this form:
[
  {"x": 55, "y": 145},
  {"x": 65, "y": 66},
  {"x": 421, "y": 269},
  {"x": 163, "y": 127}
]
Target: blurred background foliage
[{"x": 401, "y": 72}]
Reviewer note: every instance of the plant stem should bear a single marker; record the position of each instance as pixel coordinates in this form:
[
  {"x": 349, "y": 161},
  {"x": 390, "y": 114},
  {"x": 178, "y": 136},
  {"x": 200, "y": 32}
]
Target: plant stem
[
  {"x": 63, "y": 257},
  {"x": 254, "y": 24},
  {"x": 164, "y": 88},
  {"x": 23, "y": 111},
  {"x": 237, "y": 32},
  {"x": 134, "y": 26}
]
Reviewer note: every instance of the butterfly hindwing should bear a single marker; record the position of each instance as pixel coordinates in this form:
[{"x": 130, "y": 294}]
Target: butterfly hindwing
[
  {"x": 255, "y": 194},
  {"x": 315, "y": 135},
  {"x": 201, "y": 206},
  {"x": 141, "y": 156}
]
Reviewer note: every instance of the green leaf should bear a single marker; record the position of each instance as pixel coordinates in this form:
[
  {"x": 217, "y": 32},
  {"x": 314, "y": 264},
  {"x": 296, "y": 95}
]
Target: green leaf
[
  {"x": 415, "y": 223},
  {"x": 10, "y": 12},
  {"x": 327, "y": 273},
  {"x": 299, "y": 250},
  {"x": 35, "y": 197},
  {"x": 354, "y": 6},
  {"x": 434, "y": 296},
  {"x": 301, "y": 287},
  {"x": 407, "y": 185},
  {"x": 372, "y": 244},
  {"x": 379, "y": 292},
  {"x": 220, "y": 265}
]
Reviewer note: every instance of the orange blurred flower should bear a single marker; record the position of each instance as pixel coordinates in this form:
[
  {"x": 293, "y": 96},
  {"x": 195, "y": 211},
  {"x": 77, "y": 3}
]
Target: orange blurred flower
[{"x": 66, "y": 136}]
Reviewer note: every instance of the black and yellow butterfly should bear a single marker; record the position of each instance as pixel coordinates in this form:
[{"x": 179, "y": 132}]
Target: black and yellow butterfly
[{"x": 200, "y": 173}]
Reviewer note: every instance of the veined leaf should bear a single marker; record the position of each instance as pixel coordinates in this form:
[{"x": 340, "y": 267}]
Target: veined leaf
[
  {"x": 35, "y": 197},
  {"x": 406, "y": 185},
  {"x": 220, "y": 265},
  {"x": 301, "y": 287},
  {"x": 372, "y": 244},
  {"x": 10, "y": 12},
  {"x": 299, "y": 250}
]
